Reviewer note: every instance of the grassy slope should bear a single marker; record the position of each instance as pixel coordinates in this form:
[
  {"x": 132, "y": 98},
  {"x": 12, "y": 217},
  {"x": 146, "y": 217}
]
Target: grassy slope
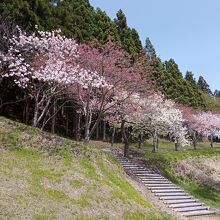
[
  {"x": 43, "y": 176},
  {"x": 198, "y": 180}
]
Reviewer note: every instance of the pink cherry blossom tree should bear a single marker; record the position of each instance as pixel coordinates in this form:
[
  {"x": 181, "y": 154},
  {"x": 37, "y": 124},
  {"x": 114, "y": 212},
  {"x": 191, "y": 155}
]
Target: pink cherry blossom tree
[
  {"x": 153, "y": 114},
  {"x": 115, "y": 66},
  {"x": 44, "y": 64},
  {"x": 126, "y": 114},
  {"x": 191, "y": 120},
  {"x": 207, "y": 124}
]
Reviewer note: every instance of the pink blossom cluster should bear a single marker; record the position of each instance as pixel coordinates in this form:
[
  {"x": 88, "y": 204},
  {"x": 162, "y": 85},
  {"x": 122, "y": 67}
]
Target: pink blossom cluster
[
  {"x": 206, "y": 123},
  {"x": 151, "y": 113},
  {"x": 48, "y": 57}
]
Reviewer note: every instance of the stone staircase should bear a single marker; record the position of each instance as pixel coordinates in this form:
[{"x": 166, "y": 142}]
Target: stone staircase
[{"x": 168, "y": 192}]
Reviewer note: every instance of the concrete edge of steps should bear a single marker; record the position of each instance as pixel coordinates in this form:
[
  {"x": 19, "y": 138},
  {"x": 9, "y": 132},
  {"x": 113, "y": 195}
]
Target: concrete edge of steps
[{"x": 170, "y": 194}]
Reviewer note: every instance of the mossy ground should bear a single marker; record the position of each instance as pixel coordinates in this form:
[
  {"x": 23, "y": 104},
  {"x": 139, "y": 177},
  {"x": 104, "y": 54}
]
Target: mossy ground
[{"x": 43, "y": 176}]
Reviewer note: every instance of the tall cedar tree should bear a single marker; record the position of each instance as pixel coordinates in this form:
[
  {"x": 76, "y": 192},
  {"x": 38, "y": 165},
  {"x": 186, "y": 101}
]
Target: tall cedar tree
[
  {"x": 129, "y": 39},
  {"x": 149, "y": 49},
  {"x": 204, "y": 86}
]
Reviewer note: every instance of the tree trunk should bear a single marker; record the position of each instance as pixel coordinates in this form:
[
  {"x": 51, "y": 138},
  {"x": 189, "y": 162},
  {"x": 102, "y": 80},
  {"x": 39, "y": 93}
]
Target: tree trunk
[
  {"x": 113, "y": 137},
  {"x": 87, "y": 122},
  {"x": 157, "y": 143},
  {"x": 126, "y": 149},
  {"x": 86, "y": 132},
  {"x": 211, "y": 141},
  {"x": 38, "y": 116},
  {"x": 26, "y": 111},
  {"x": 78, "y": 124},
  {"x": 67, "y": 125},
  {"x": 74, "y": 121},
  {"x": 177, "y": 145},
  {"x": 34, "y": 123},
  {"x": 104, "y": 131},
  {"x": 154, "y": 135},
  {"x": 97, "y": 132},
  {"x": 170, "y": 137},
  {"x": 54, "y": 116},
  {"x": 126, "y": 142},
  {"x": 194, "y": 140},
  {"x": 140, "y": 140}
]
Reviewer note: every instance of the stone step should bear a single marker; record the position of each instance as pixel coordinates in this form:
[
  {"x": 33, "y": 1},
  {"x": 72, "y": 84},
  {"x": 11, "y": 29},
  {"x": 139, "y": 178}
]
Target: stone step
[
  {"x": 175, "y": 197},
  {"x": 155, "y": 182},
  {"x": 187, "y": 204},
  {"x": 157, "y": 185},
  {"x": 147, "y": 176},
  {"x": 163, "y": 187},
  {"x": 188, "y": 209},
  {"x": 124, "y": 161},
  {"x": 166, "y": 190},
  {"x": 129, "y": 166},
  {"x": 136, "y": 171},
  {"x": 153, "y": 179},
  {"x": 150, "y": 175},
  {"x": 198, "y": 213},
  {"x": 139, "y": 168},
  {"x": 166, "y": 183},
  {"x": 122, "y": 158},
  {"x": 142, "y": 171},
  {"x": 155, "y": 174},
  {"x": 171, "y": 194},
  {"x": 142, "y": 168},
  {"x": 179, "y": 201}
]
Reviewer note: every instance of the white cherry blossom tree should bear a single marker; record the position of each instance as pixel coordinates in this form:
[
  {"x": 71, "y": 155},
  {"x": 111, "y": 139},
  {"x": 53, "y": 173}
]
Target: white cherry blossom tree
[{"x": 44, "y": 64}]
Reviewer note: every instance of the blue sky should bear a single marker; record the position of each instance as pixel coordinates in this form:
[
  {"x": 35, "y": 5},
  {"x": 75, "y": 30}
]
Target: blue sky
[{"x": 186, "y": 30}]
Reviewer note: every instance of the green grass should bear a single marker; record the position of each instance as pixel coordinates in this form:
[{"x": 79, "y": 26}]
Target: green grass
[
  {"x": 38, "y": 175},
  {"x": 76, "y": 183},
  {"x": 136, "y": 215},
  {"x": 56, "y": 195},
  {"x": 123, "y": 190},
  {"x": 44, "y": 176},
  {"x": 43, "y": 216}
]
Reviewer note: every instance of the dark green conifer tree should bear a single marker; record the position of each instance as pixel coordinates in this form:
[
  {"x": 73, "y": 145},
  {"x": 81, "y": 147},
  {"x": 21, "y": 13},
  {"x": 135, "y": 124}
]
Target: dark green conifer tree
[
  {"x": 104, "y": 27},
  {"x": 217, "y": 93},
  {"x": 203, "y": 85},
  {"x": 196, "y": 99},
  {"x": 149, "y": 49},
  {"x": 125, "y": 34},
  {"x": 137, "y": 41}
]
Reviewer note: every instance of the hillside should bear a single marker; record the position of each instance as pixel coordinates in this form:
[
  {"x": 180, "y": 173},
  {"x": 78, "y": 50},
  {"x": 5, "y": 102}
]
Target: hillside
[
  {"x": 44, "y": 176},
  {"x": 196, "y": 171}
]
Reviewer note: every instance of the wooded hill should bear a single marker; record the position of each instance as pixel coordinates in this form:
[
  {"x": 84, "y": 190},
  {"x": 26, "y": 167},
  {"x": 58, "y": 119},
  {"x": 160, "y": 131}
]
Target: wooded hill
[{"x": 78, "y": 19}]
